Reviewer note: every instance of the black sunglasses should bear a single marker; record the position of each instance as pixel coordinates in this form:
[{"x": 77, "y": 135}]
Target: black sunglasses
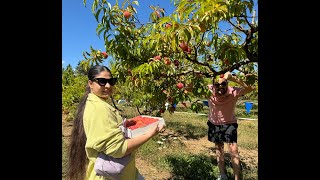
[
  {"x": 104, "y": 81},
  {"x": 224, "y": 83}
]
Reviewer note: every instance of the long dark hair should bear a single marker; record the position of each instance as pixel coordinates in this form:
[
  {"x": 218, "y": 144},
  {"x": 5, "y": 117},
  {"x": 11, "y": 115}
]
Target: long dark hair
[{"x": 77, "y": 155}]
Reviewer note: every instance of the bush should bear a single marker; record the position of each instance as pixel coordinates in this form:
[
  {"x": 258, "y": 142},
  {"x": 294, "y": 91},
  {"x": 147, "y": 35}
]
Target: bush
[{"x": 73, "y": 88}]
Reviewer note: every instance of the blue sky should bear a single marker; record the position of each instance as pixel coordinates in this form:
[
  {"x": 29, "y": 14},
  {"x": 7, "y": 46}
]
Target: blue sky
[{"x": 79, "y": 27}]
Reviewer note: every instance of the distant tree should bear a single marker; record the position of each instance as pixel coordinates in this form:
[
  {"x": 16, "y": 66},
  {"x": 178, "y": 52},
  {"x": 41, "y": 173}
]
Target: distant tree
[
  {"x": 73, "y": 87},
  {"x": 81, "y": 70},
  {"x": 68, "y": 75}
]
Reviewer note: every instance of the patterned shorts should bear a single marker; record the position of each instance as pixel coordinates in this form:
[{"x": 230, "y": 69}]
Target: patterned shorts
[{"x": 222, "y": 133}]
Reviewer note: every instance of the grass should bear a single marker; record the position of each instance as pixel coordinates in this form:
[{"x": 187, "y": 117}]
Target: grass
[
  {"x": 248, "y": 135},
  {"x": 172, "y": 154},
  {"x": 189, "y": 125},
  {"x": 195, "y": 166}
]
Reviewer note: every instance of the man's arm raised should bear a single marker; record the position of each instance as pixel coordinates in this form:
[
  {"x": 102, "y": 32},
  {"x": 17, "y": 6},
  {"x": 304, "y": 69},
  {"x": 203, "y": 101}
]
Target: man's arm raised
[{"x": 247, "y": 88}]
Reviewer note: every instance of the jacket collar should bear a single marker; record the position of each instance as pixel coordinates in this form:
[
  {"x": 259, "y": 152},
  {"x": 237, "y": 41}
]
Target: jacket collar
[{"x": 93, "y": 97}]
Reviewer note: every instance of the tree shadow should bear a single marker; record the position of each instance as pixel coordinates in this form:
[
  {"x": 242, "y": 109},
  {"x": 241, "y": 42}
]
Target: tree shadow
[
  {"x": 199, "y": 167},
  {"x": 188, "y": 131},
  {"x": 243, "y": 166},
  {"x": 191, "y": 167}
]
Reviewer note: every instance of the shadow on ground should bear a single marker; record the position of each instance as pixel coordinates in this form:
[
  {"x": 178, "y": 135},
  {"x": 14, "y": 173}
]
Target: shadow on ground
[
  {"x": 189, "y": 131},
  {"x": 200, "y": 167}
]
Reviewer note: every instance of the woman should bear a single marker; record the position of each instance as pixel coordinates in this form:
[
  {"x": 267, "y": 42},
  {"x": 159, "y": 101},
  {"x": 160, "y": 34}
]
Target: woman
[{"x": 96, "y": 129}]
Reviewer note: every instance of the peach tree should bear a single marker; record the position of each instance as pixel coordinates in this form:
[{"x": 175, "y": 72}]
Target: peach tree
[{"x": 174, "y": 56}]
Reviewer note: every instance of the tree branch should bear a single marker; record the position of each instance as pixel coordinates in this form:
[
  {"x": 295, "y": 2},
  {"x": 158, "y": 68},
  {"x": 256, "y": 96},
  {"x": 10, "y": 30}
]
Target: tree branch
[
  {"x": 115, "y": 105},
  {"x": 138, "y": 110},
  {"x": 138, "y": 21},
  {"x": 200, "y": 41},
  {"x": 251, "y": 27},
  {"x": 214, "y": 73},
  {"x": 235, "y": 66},
  {"x": 186, "y": 73},
  {"x": 242, "y": 71},
  {"x": 197, "y": 62},
  {"x": 238, "y": 27},
  {"x": 249, "y": 37},
  {"x": 245, "y": 16}
]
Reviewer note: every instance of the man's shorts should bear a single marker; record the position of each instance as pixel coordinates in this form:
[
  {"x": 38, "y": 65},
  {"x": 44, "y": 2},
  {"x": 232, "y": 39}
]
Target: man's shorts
[{"x": 222, "y": 133}]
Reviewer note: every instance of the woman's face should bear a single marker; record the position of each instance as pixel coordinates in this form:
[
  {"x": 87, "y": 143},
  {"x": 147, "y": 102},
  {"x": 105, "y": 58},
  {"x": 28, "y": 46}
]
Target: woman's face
[{"x": 102, "y": 85}]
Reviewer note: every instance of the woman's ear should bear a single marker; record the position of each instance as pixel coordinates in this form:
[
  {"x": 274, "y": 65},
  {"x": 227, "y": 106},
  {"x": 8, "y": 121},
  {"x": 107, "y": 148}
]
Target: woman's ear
[{"x": 90, "y": 83}]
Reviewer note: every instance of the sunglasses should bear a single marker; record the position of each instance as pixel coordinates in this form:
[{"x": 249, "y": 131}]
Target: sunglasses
[
  {"x": 104, "y": 81},
  {"x": 224, "y": 83}
]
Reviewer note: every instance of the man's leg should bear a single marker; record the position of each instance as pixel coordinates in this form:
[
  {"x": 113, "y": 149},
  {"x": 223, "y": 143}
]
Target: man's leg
[
  {"x": 215, "y": 136},
  {"x": 235, "y": 160},
  {"x": 220, "y": 157}
]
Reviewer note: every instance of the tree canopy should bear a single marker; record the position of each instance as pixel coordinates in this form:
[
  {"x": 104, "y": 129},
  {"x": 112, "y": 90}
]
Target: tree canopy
[{"x": 174, "y": 56}]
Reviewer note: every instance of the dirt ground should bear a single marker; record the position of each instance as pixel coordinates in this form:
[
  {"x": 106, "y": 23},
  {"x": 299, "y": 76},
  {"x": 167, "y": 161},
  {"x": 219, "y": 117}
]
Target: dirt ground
[{"x": 249, "y": 157}]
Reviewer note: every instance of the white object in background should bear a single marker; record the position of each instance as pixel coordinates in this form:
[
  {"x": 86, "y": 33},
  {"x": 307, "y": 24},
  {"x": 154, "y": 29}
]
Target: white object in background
[
  {"x": 121, "y": 101},
  {"x": 167, "y": 105}
]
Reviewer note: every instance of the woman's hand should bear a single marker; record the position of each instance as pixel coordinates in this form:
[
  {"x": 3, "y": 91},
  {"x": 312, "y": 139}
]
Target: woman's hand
[{"x": 156, "y": 129}]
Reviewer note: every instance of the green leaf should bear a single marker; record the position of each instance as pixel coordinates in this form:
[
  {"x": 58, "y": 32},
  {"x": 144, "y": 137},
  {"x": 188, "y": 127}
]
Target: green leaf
[
  {"x": 153, "y": 45},
  {"x": 95, "y": 5},
  {"x": 152, "y": 7},
  {"x": 109, "y": 5},
  {"x": 198, "y": 27},
  {"x": 177, "y": 40},
  {"x": 124, "y": 2},
  {"x": 96, "y": 15},
  {"x": 187, "y": 33},
  {"x": 135, "y": 2},
  {"x": 84, "y": 55},
  {"x": 134, "y": 9},
  {"x": 150, "y": 69},
  {"x": 165, "y": 20},
  {"x": 173, "y": 44},
  {"x": 130, "y": 41},
  {"x": 189, "y": 9},
  {"x": 204, "y": 17},
  {"x": 106, "y": 40},
  {"x": 85, "y": 3},
  {"x": 138, "y": 51},
  {"x": 175, "y": 16},
  {"x": 101, "y": 30},
  {"x": 106, "y": 37}
]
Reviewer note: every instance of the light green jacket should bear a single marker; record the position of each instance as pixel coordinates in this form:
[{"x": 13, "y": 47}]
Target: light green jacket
[{"x": 101, "y": 124}]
